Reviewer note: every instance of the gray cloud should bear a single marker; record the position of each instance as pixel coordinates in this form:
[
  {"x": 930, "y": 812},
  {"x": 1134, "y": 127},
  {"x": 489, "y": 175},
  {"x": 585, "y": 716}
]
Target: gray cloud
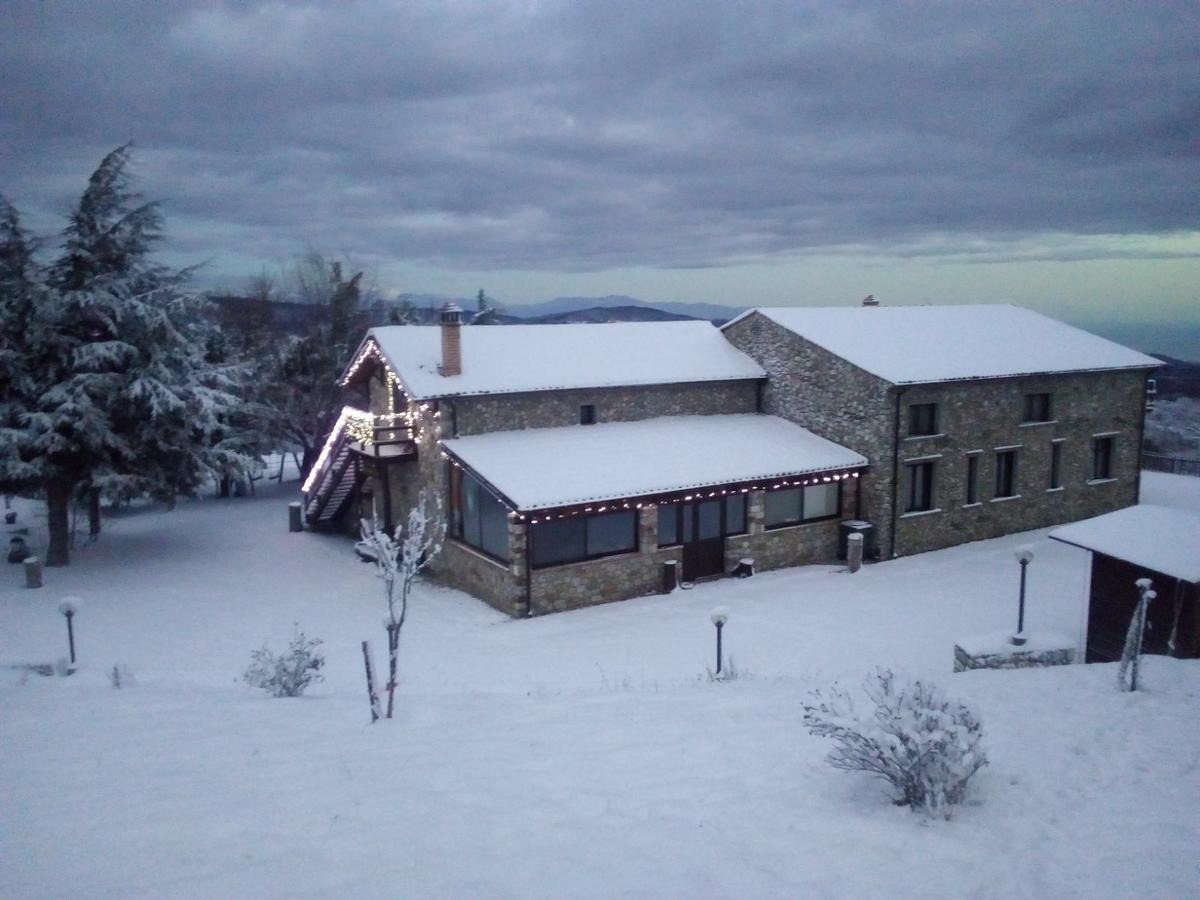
[{"x": 585, "y": 136}]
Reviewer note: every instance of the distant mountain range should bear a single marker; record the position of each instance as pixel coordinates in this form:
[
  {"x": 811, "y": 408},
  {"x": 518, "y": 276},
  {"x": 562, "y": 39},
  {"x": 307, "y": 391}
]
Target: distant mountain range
[{"x": 1177, "y": 345}]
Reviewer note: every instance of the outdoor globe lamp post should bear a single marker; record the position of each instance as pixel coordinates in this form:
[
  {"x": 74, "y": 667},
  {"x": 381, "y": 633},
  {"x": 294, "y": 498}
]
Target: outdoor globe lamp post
[
  {"x": 719, "y": 617},
  {"x": 1024, "y": 556},
  {"x": 68, "y": 608}
]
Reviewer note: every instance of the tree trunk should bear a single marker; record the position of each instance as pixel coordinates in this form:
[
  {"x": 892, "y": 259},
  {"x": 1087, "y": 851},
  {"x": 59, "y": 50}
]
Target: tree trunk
[
  {"x": 93, "y": 501},
  {"x": 58, "y": 516},
  {"x": 223, "y": 487}
]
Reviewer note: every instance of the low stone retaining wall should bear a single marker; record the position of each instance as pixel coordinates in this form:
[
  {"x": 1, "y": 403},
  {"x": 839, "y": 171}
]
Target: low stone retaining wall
[{"x": 996, "y": 651}]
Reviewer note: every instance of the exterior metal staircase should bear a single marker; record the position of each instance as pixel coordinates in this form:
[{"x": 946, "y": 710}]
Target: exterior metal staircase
[{"x": 336, "y": 482}]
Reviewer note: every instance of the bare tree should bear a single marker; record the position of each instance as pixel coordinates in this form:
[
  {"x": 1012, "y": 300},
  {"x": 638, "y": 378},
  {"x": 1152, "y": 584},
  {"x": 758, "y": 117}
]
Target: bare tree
[{"x": 399, "y": 559}]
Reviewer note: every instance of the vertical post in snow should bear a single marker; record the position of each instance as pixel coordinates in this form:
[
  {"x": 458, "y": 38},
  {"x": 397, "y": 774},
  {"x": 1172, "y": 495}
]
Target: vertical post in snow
[{"x": 372, "y": 694}]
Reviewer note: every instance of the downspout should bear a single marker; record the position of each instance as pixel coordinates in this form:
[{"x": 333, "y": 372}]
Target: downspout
[{"x": 895, "y": 470}]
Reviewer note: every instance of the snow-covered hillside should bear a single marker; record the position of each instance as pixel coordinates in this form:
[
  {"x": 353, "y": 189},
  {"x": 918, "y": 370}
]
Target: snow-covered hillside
[{"x": 580, "y": 754}]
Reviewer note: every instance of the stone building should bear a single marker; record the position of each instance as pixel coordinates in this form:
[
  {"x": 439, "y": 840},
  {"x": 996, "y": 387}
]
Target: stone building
[
  {"x": 978, "y": 420},
  {"x": 570, "y": 464}
]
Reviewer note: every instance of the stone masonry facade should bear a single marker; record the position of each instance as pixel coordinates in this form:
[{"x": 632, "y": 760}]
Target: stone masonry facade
[
  {"x": 982, "y": 417},
  {"x": 829, "y": 396}
]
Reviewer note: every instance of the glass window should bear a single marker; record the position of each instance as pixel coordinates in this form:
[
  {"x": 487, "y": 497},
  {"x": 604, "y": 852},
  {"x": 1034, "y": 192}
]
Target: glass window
[
  {"x": 1006, "y": 473},
  {"x": 708, "y": 520},
  {"x": 1056, "y": 464},
  {"x": 735, "y": 514},
  {"x": 1102, "y": 451},
  {"x": 919, "y": 491},
  {"x": 668, "y": 524},
  {"x": 611, "y": 532},
  {"x": 821, "y": 501},
  {"x": 973, "y": 478},
  {"x": 478, "y": 518},
  {"x": 783, "y": 507},
  {"x": 559, "y": 541},
  {"x": 587, "y": 414},
  {"x": 922, "y": 418},
  {"x": 1037, "y": 407}
]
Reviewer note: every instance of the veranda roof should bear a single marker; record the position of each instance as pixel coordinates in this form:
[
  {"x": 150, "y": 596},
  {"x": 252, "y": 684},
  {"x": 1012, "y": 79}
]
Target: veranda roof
[
  {"x": 1153, "y": 537},
  {"x": 540, "y": 468}
]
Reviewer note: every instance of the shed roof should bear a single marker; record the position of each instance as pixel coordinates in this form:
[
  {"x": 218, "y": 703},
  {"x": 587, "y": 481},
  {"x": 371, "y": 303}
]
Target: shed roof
[
  {"x": 505, "y": 359},
  {"x": 1154, "y": 537},
  {"x": 540, "y": 468},
  {"x": 925, "y": 344}
]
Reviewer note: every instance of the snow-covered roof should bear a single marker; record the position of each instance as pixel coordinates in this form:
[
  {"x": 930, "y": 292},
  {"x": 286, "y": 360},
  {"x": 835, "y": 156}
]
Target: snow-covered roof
[
  {"x": 506, "y": 359},
  {"x": 546, "y": 467},
  {"x": 1155, "y": 537},
  {"x": 921, "y": 344}
]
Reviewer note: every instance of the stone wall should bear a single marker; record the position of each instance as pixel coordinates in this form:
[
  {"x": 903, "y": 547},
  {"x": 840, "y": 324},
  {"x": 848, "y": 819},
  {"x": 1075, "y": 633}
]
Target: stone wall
[
  {"x": 977, "y": 417},
  {"x": 545, "y": 409},
  {"x": 826, "y": 394},
  {"x": 594, "y": 581},
  {"x": 469, "y": 570},
  {"x": 835, "y": 399}
]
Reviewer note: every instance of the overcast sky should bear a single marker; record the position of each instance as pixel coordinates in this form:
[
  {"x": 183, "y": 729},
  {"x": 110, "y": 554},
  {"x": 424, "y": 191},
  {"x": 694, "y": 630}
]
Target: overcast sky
[{"x": 1047, "y": 153}]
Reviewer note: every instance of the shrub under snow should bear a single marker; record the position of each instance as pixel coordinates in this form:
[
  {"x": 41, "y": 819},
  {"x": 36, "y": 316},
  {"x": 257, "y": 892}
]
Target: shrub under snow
[
  {"x": 288, "y": 674},
  {"x": 917, "y": 739}
]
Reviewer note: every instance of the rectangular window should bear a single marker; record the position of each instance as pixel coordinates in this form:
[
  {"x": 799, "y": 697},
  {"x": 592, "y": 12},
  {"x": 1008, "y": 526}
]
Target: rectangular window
[
  {"x": 973, "y": 478},
  {"x": 584, "y": 537},
  {"x": 735, "y": 514},
  {"x": 587, "y": 414},
  {"x": 1037, "y": 408},
  {"x": 1102, "y": 452},
  {"x": 478, "y": 519},
  {"x": 668, "y": 524},
  {"x": 922, "y": 419},
  {"x": 1006, "y": 474},
  {"x": 1056, "y": 465},
  {"x": 919, "y": 489},
  {"x": 783, "y": 507},
  {"x": 821, "y": 501}
]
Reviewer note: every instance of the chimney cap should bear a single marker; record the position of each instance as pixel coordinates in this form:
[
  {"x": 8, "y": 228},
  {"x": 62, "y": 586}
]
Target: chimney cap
[{"x": 451, "y": 313}]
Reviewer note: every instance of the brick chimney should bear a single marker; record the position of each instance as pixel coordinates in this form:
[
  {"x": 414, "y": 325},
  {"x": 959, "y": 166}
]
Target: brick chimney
[
  {"x": 451, "y": 340},
  {"x": 870, "y": 300}
]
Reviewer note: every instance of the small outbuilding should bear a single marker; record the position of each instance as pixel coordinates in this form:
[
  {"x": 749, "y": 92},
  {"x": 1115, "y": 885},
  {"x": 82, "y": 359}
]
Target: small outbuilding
[{"x": 1141, "y": 542}]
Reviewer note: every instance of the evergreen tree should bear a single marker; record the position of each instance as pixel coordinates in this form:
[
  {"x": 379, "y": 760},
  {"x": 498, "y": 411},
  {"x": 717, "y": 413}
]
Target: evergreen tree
[{"x": 119, "y": 395}]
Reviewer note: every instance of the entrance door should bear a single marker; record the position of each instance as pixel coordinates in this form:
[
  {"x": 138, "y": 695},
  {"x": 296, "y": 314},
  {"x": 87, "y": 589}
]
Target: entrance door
[{"x": 703, "y": 544}]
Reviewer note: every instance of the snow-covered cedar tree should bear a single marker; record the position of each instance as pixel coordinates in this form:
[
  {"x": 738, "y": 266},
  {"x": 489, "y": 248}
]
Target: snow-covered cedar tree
[
  {"x": 924, "y": 744},
  {"x": 288, "y": 674},
  {"x": 111, "y": 387},
  {"x": 399, "y": 558}
]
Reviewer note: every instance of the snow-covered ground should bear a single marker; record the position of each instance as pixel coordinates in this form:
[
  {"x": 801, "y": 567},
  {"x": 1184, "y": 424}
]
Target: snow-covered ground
[{"x": 580, "y": 754}]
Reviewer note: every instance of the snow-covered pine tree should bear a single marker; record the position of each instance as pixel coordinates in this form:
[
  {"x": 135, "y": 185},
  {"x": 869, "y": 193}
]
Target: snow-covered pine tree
[{"x": 120, "y": 396}]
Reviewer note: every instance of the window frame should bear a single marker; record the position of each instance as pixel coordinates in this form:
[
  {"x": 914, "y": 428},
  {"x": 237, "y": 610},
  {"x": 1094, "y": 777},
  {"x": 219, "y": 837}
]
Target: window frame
[
  {"x": 677, "y": 510},
  {"x": 803, "y": 520},
  {"x": 1009, "y": 470},
  {"x": 586, "y": 557},
  {"x": 1030, "y": 414},
  {"x": 972, "y": 479},
  {"x": 1055, "y": 466},
  {"x": 587, "y": 414},
  {"x": 913, "y": 503},
  {"x": 917, "y": 412},
  {"x": 457, "y": 526},
  {"x": 1102, "y": 462}
]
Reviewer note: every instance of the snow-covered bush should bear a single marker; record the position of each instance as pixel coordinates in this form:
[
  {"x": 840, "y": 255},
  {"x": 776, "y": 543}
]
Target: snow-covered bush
[
  {"x": 921, "y": 742},
  {"x": 288, "y": 674}
]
